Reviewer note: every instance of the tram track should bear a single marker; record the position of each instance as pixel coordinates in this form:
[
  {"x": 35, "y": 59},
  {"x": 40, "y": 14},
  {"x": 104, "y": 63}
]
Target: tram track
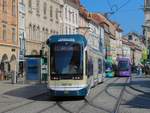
[
  {"x": 89, "y": 102},
  {"x": 146, "y": 97},
  {"x": 59, "y": 104},
  {"x": 105, "y": 109},
  {"x": 34, "y": 99},
  {"x": 66, "y": 110},
  {"x": 116, "y": 107}
]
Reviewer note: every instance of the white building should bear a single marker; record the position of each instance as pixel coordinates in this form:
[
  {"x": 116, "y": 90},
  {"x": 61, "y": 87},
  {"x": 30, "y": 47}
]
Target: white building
[
  {"x": 21, "y": 27},
  {"x": 94, "y": 34},
  {"x": 146, "y": 26},
  {"x": 43, "y": 18},
  {"x": 70, "y": 16}
]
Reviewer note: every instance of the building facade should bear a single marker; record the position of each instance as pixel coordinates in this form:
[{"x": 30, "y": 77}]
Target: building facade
[
  {"x": 21, "y": 29},
  {"x": 133, "y": 41},
  {"x": 43, "y": 18},
  {"x": 9, "y": 49},
  {"x": 71, "y": 16},
  {"x": 146, "y": 26}
]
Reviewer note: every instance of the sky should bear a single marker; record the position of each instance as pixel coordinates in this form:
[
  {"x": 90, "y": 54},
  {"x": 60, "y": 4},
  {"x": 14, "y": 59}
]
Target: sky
[{"x": 128, "y": 14}]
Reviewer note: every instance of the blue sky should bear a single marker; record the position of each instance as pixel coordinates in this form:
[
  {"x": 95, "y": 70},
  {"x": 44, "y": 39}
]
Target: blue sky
[{"x": 130, "y": 16}]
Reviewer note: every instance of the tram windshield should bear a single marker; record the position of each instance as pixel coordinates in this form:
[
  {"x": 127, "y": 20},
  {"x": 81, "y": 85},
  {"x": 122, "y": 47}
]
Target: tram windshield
[
  {"x": 123, "y": 65},
  {"x": 66, "y": 58}
]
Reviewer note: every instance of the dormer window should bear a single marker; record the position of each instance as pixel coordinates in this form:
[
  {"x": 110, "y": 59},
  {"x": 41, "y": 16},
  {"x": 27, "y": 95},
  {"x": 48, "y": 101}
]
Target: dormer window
[{"x": 130, "y": 37}]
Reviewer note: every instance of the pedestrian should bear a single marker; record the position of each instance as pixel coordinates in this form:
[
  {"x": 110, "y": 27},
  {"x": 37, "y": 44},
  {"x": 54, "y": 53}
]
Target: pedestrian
[{"x": 139, "y": 70}]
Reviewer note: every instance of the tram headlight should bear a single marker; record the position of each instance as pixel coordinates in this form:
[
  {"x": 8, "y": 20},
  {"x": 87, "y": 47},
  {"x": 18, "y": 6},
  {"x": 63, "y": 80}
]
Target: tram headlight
[{"x": 77, "y": 78}]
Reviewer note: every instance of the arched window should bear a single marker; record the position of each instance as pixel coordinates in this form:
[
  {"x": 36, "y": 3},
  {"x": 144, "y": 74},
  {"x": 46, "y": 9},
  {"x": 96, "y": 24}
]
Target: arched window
[
  {"x": 30, "y": 31},
  {"x": 13, "y": 7},
  {"x": 34, "y": 32},
  {"x": 46, "y": 34},
  {"x": 38, "y": 33},
  {"x": 43, "y": 33}
]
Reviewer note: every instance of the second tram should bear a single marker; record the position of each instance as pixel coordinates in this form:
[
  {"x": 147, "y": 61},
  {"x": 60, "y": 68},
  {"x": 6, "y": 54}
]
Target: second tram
[{"x": 124, "y": 67}]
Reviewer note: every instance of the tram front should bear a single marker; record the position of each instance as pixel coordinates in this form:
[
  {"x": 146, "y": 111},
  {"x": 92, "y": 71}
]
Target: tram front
[{"x": 66, "y": 67}]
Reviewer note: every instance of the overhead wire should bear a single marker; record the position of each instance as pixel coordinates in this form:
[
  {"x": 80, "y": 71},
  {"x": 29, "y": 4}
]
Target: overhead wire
[
  {"x": 109, "y": 4},
  {"x": 115, "y": 8}
]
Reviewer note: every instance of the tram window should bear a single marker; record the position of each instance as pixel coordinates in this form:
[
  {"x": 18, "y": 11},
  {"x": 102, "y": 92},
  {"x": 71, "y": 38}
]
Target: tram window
[
  {"x": 123, "y": 65},
  {"x": 86, "y": 61},
  {"x": 90, "y": 67},
  {"x": 66, "y": 58},
  {"x": 99, "y": 66}
]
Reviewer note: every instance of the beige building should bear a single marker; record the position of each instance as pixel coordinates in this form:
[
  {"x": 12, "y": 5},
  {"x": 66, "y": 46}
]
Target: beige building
[
  {"x": 136, "y": 47},
  {"x": 43, "y": 18}
]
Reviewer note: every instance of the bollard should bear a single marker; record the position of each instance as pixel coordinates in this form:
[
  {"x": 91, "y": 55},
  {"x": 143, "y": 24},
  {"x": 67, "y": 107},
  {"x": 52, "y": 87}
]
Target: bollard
[{"x": 13, "y": 79}]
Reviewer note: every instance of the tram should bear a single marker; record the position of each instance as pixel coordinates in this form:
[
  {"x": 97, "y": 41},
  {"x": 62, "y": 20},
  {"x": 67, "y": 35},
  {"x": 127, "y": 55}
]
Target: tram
[
  {"x": 124, "y": 67},
  {"x": 73, "y": 66}
]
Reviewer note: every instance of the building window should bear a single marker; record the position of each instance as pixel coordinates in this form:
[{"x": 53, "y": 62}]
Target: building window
[
  {"x": 34, "y": 32},
  {"x": 69, "y": 30},
  {"x": 22, "y": 1},
  {"x": 69, "y": 16},
  {"x": 73, "y": 17},
  {"x": 14, "y": 35},
  {"x": 38, "y": 7},
  {"x": 66, "y": 30},
  {"x": 130, "y": 37},
  {"x": 57, "y": 13},
  {"x": 43, "y": 34},
  {"x": 46, "y": 32},
  {"x": 148, "y": 3},
  {"x": 76, "y": 18},
  {"x": 66, "y": 13},
  {"x": 38, "y": 33},
  {"x": 51, "y": 11},
  {"x": 5, "y": 6},
  {"x": 30, "y": 31},
  {"x": 13, "y": 8},
  {"x": 44, "y": 8},
  {"x": 30, "y": 4},
  {"x": 4, "y": 32}
]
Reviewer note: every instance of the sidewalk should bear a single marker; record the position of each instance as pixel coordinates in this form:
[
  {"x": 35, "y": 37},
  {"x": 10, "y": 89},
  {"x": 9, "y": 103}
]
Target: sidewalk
[
  {"x": 141, "y": 84},
  {"x": 21, "y": 90}
]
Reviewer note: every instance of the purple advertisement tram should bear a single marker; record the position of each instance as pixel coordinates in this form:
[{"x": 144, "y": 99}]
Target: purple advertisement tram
[{"x": 124, "y": 67}]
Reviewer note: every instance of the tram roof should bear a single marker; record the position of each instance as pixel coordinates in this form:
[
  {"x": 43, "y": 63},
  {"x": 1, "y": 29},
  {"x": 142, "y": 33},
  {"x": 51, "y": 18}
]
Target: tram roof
[{"x": 67, "y": 38}]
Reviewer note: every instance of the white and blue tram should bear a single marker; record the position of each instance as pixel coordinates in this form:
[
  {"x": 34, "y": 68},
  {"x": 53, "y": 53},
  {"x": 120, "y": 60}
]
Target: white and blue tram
[{"x": 73, "y": 67}]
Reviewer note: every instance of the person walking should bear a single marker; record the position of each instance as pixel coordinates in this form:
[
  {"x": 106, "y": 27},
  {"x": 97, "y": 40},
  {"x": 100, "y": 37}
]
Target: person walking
[{"x": 139, "y": 70}]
